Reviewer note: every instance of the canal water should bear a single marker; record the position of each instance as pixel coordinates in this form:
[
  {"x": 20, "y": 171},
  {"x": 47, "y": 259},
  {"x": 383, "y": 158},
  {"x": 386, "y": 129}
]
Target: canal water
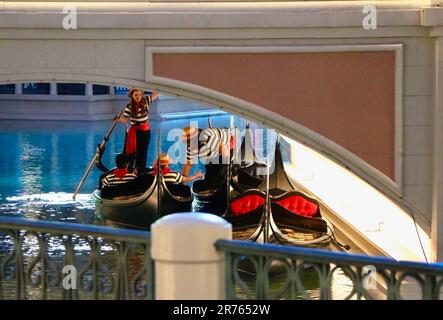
[{"x": 42, "y": 162}]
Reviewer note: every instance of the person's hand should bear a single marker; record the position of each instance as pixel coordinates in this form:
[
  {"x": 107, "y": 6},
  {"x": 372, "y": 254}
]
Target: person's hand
[
  {"x": 225, "y": 152},
  {"x": 200, "y": 175},
  {"x": 122, "y": 120}
]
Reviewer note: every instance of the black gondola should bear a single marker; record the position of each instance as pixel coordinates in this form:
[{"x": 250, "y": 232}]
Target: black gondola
[
  {"x": 247, "y": 202},
  {"x": 141, "y": 209},
  {"x": 245, "y": 171},
  {"x": 246, "y": 214},
  {"x": 210, "y": 193},
  {"x": 296, "y": 218}
]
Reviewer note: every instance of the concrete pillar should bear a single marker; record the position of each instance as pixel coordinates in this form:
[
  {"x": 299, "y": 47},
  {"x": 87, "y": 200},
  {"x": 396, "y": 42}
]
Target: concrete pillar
[
  {"x": 89, "y": 91},
  {"x": 187, "y": 265},
  {"x": 111, "y": 89},
  {"x": 53, "y": 89},
  {"x": 437, "y": 192},
  {"x": 19, "y": 88}
]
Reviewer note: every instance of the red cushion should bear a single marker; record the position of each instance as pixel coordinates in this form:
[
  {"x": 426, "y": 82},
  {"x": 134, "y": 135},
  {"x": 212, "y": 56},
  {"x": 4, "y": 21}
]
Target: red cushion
[
  {"x": 246, "y": 204},
  {"x": 298, "y": 205}
]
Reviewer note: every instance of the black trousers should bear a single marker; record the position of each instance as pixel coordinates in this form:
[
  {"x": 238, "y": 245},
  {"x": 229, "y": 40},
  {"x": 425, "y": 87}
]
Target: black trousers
[{"x": 143, "y": 138}]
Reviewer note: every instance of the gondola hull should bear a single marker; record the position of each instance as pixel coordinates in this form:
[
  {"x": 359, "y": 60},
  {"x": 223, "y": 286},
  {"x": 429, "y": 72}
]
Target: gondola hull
[
  {"x": 246, "y": 214},
  {"x": 290, "y": 228},
  {"x": 212, "y": 199},
  {"x": 141, "y": 211}
]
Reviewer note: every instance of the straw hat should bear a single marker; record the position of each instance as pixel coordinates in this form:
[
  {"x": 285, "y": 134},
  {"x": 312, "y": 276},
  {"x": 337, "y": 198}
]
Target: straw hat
[
  {"x": 189, "y": 133},
  {"x": 164, "y": 159}
]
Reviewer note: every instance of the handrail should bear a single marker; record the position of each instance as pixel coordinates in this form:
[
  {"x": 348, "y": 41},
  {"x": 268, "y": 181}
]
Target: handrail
[
  {"x": 319, "y": 255},
  {"x": 61, "y": 228}
]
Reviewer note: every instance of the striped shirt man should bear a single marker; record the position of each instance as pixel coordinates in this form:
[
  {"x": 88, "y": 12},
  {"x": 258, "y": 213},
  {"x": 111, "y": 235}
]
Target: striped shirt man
[
  {"x": 111, "y": 180},
  {"x": 141, "y": 111},
  {"x": 173, "y": 177},
  {"x": 210, "y": 140}
]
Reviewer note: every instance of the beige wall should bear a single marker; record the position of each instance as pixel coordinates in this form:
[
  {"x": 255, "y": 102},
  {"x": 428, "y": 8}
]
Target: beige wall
[{"x": 347, "y": 97}]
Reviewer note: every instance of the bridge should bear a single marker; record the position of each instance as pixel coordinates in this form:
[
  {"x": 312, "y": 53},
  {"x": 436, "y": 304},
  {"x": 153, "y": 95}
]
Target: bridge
[{"x": 366, "y": 96}]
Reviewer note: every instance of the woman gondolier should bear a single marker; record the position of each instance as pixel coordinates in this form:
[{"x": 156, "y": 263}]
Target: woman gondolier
[{"x": 139, "y": 134}]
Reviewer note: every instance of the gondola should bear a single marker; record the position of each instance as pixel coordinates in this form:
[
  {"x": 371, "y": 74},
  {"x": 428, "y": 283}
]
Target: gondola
[
  {"x": 295, "y": 217},
  {"x": 247, "y": 202},
  {"x": 245, "y": 173},
  {"x": 138, "y": 206}
]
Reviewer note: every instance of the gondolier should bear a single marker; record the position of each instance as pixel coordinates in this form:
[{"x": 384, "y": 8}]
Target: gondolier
[
  {"x": 139, "y": 133},
  {"x": 211, "y": 146}
]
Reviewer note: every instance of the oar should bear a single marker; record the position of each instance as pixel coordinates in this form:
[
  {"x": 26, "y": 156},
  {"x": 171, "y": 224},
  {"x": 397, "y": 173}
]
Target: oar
[{"x": 96, "y": 157}]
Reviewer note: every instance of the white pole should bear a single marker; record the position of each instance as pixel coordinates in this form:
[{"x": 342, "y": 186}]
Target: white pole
[
  {"x": 187, "y": 265},
  {"x": 89, "y": 91},
  {"x": 53, "y": 89},
  {"x": 19, "y": 88}
]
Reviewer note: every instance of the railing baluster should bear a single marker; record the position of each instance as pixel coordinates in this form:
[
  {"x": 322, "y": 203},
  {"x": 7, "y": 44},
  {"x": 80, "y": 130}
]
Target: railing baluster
[
  {"x": 69, "y": 260},
  {"x": 95, "y": 268},
  {"x": 122, "y": 290},
  {"x": 43, "y": 263},
  {"x": 19, "y": 266},
  {"x": 230, "y": 286}
]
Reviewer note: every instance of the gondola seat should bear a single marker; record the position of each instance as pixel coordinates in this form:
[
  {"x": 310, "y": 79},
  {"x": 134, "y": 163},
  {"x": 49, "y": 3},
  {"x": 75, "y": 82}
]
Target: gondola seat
[
  {"x": 207, "y": 186},
  {"x": 247, "y": 203},
  {"x": 246, "y": 211},
  {"x": 298, "y": 203},
  {"x": 296, "y": 210},
  {"x": 128, "y": 190},
  {"x": 179, "y": 191}
]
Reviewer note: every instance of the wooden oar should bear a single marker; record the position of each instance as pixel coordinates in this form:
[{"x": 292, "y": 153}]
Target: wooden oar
[{"x": 96, "y": 157}]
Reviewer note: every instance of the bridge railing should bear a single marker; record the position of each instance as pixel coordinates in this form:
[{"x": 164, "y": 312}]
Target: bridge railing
[
  {"x": 250, "y": 267},
  {"x": 55, "y": 260}
]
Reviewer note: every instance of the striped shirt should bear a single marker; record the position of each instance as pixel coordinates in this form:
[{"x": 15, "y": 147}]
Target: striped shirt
[
  {"x": 141, "y": 114},
  {"x": 111, "y": 180},
  {"x": 173, "y": 177},
  {"x": 209, "y": 140}
]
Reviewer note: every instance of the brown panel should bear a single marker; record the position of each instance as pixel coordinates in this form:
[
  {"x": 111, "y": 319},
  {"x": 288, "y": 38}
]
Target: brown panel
[{"x": 347, "y": 97}]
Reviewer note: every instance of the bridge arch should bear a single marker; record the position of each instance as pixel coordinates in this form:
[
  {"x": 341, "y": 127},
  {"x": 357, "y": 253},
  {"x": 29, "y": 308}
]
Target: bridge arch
[{"x": 247, "y": 110}]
